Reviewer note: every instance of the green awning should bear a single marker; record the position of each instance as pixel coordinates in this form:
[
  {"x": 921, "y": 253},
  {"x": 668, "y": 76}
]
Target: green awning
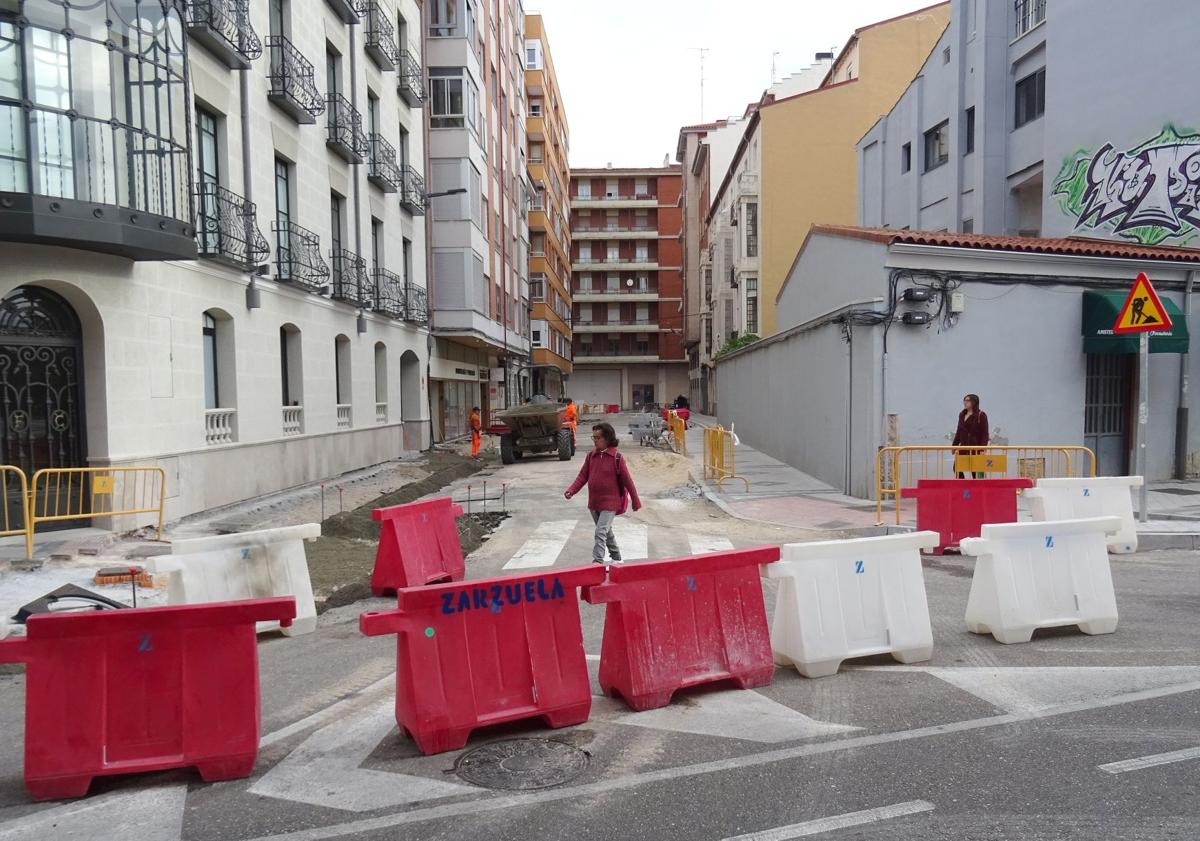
[{"x": 1100, "y": 311}]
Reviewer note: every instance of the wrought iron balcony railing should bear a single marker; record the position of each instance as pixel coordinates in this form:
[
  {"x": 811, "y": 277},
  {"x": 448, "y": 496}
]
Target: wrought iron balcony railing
[
  {"x": 412, "y": 198},
  {"x": 345, "y": 134},
  {"x": 223, "y": 26},
  {"x": 298, "y": 256},
  {"x": 348, "y": 10},
  {"x": 412, "y": 80},
  {"x": 390, "y": 298},
  {"x": 292, "y": 87},
  {"x": 381, "y": 37},
  {"x": 226, "y": 228},
  {"x": 383, "y": 172},
  {"x": 417, "y": 310},
  {"x": 349, "y": 276}
]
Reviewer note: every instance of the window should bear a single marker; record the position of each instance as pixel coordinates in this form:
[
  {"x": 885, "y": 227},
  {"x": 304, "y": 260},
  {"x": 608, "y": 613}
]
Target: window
[
  {"x": 407, "y": 255},
  {"x": 583, "y": 190},
  {"x": 332, "y": 74},
  {"x": 585, "y": 252},
  {"x": 946, "y": 56},
  {"x": 614, "y": 252},
  {"x": 443, "y": 18},
  {"x": 277, "y": 10},
  {"x": 376, "y": 243},
  {"x": 751, "y": 285},
  {"x": 446, "y": 87},
  {"x": 614, "y": 313},
  {"x": 208, "y": 170},
  {"x": 531, "y": 58},
  {"x": 537, "y": 338},
  {"x": 642, "y": 345},
  {"x": 968, "y": 226},
  {"x": 752, "y": 229},
  {"x": 402, "y": 147},
  {"x": 211, "y": 393},
  {"x": 291, "y": 370},
  {"x": 641, "y": 187},
  {"x": 535, "y": 106},
  {"x": 372, "y": 113},
  {"x": 585, "y": 313},
  {"x": 1031, "y": 97},
  {"x": 1029, "y": 14},
  {"x": 283, "y": 214},
  {"x": 610, "y": 188},
  {"x": 535, "y": 153},
  {"x": 335, "y": 221},
  {"x": 341, "y": 370},
  {"x": 969, "y": 142},
  {"x": 937, "y": 146},
  {"x": 642, "y": 252},
  {"x": 906, "y": 157},
  {"x": 381, "y": 383},
  {"x": 585, "y": 283}
]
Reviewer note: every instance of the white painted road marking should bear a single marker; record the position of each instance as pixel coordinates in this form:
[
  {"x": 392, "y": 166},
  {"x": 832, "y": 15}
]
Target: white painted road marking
[
  {"x": 148, "y": 814},
  {"x": 321, "y": 716},
  {"x": 632, "y": 539},
  {"x": 324, "y": 770},
  {"x": 543, "y": 547},
  {"x": 735, "y": 714},
  {"x": 703, "y": 543},
  {"x": 1150, "y": 761},
  {"x": 768, "y": 757},
  {"x": 802, "y": 830}
]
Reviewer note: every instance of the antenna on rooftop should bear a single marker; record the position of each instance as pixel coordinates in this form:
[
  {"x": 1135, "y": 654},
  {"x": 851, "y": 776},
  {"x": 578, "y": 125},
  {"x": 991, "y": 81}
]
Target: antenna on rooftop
[{"x": 703, "y": 52}]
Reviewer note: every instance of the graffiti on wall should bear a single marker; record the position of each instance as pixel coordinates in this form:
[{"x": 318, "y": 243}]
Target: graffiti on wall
[{"x": 1148, "y": 194}]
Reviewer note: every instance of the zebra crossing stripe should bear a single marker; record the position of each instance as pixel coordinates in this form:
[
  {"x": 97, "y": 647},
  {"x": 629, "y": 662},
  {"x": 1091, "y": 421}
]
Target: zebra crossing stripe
[
  {"x": 632, "y": 539},
  {"x": 703, "y": 543},
  {"x": 544, "y": 545}
]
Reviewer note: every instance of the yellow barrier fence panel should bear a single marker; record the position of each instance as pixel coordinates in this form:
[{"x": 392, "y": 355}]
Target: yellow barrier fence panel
[
  {"x": 902, "y": 467},
  {"x": 81, "y": 493}
]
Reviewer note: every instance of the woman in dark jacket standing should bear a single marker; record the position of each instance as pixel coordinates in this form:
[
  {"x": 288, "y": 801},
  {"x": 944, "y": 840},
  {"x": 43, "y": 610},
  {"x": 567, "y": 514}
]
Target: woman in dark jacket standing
[{"x": 972, "y": 429}]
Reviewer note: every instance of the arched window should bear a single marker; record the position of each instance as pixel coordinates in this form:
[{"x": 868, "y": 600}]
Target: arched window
[
  {"x": 212, "y": 394},
  {"x": 291, "y": 375},
  {"x": 381, "y": 383}
]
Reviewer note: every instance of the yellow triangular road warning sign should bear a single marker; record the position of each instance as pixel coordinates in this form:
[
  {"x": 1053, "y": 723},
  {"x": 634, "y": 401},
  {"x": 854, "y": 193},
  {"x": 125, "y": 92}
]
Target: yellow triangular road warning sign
[{"x": 1143, "y": 311}]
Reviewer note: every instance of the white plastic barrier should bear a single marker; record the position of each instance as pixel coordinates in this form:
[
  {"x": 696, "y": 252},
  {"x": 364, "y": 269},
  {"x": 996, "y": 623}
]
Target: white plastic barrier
[
  {"x": 1097, "y": 496},
  {"x": 851, "y": 598},
  {"x": 246, "y": 565},
  {"x": 1041, "y": 575}
]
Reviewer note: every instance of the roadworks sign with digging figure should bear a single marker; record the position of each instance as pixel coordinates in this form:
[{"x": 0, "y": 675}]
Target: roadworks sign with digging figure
[{"x": 1143, "y": 311}]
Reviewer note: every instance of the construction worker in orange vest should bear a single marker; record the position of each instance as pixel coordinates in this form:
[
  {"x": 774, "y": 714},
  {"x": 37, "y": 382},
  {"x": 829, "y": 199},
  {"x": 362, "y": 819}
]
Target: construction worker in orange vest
[
  {"x": 476, "y": 432},
  {"x": 571, "y": 419}
]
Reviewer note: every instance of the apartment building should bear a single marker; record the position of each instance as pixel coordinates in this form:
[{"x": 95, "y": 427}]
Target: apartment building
[
  {"x": 214, "y": 247},
  {"x": 475, "y": 52},
  {"x": 627, "y": 285},
  {"x": 692, "y": 153},
  {"x": 1002, "y": 132},
  {"x": 549, "y": 230},
  {"x": 794, "y": 165}
]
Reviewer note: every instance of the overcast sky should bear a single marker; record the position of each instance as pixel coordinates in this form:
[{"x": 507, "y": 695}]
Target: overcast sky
[{"x": 629, "y": 79}]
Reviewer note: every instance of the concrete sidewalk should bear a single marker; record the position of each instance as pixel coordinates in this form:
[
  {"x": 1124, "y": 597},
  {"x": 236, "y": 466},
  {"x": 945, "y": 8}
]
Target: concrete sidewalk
[{"x": 780, "y": 494}]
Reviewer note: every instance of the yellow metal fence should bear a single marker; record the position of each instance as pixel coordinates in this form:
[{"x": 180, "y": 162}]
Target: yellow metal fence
[
  {"x": 901, "y": 467},
  {"x": 79, "y": 493},
  {"x": 678, "y": 429},
  {"x": 719, "y": 458}
]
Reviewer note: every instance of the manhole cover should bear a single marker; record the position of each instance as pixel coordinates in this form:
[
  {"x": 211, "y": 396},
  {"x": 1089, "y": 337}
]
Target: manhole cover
[
  {"x": 522, "y": 764},
  {"x": 1177, "y": 491}
]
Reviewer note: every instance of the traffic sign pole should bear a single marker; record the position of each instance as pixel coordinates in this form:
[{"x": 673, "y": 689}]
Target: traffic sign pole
[{"x": 1143, "y": 418}]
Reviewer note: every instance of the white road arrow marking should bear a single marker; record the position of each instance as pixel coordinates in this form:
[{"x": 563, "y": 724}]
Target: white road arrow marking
[
  {"x": 734, "y": 714},
  {"x": 324, "y": 770},
  {"x": 147, "y": 814}
]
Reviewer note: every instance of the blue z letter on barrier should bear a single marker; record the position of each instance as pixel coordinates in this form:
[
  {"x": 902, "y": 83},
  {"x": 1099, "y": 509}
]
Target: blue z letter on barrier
[
  {"x": 1050, "y": 541},
  {"x": 858, "y": 567}
]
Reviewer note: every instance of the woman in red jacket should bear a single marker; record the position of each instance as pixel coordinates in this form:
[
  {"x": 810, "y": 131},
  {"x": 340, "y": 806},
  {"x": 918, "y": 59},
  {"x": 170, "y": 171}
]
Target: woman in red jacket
[
  {"x": 610, "y": 489},
  {"x": 972, "y": 429}
]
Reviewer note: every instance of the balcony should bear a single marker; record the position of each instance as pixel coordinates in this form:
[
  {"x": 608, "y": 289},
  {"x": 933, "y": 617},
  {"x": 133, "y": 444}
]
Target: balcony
[
  {"x": 292, "y": 88},
  {"x": 634, "y": 200},
  {"x": 417, "y": 309},
  {"x": 618, "y": 231},
  {"x": 223, "y": 27},
  {"x": 345, "y": 416},
  {"x": 389, "y": 298},
  {"x": 227, "y": 229},
  {"x": 298, "y": 256},
  {"x": 381, "y": 37},
  {"x": 381, "y": 412},
  {"x": 383, "y": 171},
  {"x": 647, "y": 262},
  {"x": 624, "y": 325},
  {"x": 344, "y": 133},
  {"x": 220, "y": 426},
  {"x": 349, "y": 276},
  {"x": 412, "y": 80},
  {"x": 537, "y": 288},
  {"x": 624, "y": 292},
  {"x": 585, "y": 356},
  {"x": 348, "y": 10},
  {"x": 412, "y": 196},
  {"x": 293, "y": 420}
]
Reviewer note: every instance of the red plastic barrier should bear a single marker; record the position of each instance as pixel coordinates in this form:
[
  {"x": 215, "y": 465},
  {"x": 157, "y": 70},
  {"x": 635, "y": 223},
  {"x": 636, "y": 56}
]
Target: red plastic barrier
[
  {"x": 677, "y": 623},
  {"x": 488, "y": 651},
  {"x": 124, "y": 691},
  {"x": 612, "y": 408},
  {"x": 958, "y": 508},
  {"x": 418, "y": 545}
]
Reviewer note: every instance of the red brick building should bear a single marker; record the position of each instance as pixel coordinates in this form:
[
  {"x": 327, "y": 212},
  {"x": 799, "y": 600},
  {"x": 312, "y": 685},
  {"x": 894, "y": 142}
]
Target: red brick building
[{"x": 627, "y": 286}]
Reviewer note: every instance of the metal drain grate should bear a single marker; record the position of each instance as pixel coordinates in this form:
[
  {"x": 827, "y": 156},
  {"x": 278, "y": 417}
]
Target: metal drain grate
[{"x": 522, "y": 764}]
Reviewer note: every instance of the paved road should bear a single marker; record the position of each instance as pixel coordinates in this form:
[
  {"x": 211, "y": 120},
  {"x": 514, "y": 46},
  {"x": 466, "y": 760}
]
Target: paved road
[{"x": 1069, "y": 737}]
